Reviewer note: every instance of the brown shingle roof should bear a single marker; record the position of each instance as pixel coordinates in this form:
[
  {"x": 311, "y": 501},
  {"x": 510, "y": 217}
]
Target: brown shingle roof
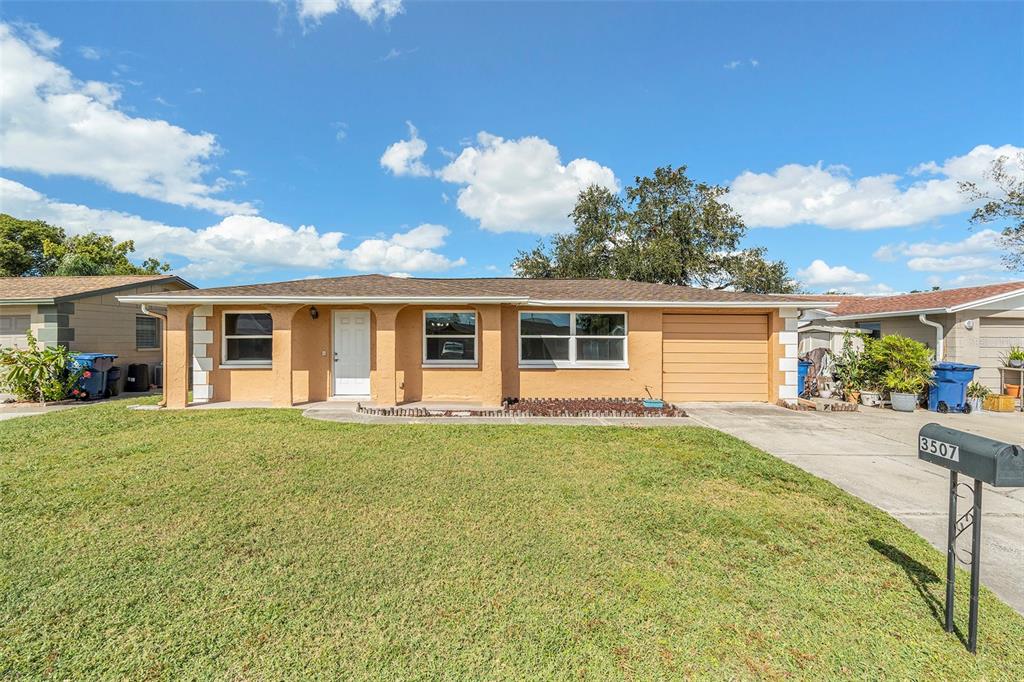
[
  {"x": 367, "y": 286},
  {"x": 926, "y": 300},
  {"x": 48, "y": 288}
]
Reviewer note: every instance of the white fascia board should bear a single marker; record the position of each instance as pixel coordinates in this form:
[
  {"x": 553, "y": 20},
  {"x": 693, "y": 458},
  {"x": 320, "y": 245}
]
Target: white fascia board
[
  {"x": 899, "y": 313},
  {"x": 449, "y": 300},
  {"x": 27, "y": 301},
  {"x": 678, "y": 304},
  {"x": 341, "y": 300}
]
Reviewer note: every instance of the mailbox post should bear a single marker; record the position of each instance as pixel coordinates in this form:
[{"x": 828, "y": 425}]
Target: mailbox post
[{"x": 986, "y": 461}]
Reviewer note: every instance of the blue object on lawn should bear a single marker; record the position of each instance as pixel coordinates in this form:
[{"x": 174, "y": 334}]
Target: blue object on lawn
[
  {"x": 96, "y": 366},
  {"x": 949, "y": 392},
  {"x": 801, "y": 376}
]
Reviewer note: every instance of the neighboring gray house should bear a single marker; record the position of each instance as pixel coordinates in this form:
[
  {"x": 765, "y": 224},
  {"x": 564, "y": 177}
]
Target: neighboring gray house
[
  {"x": 974, "y": 325},
  {"x": 83, "y": 314}
]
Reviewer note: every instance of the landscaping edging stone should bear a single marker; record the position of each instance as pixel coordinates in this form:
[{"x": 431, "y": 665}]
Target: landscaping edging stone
[{"x": 537, "y": 407}]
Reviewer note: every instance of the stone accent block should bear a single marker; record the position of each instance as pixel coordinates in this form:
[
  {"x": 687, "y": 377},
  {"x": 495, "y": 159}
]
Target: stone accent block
[
  {"x": 203, "y": 311},
  {"x": 788, "y": 365},
  {"x": 198, "y": 323},
  {"x": 202, "y": 364},
  {"x": 202, "y": 336},
  {"x": 787, "y": 337},
  {"x": 200, "y": 377}
]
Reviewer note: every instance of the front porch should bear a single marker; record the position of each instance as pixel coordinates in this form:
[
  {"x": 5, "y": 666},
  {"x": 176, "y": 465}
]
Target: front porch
[{"x": 316, "y": 355}]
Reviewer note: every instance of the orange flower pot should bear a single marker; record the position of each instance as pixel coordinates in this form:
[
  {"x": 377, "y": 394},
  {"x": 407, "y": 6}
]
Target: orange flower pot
[{"x": 1013, "y": 390}]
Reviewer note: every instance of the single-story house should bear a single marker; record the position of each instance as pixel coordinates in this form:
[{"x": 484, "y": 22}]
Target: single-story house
[
  {"x": 83, "y": 314},
  {"x": 974, "y": 325},
  {"x": 396, "y": 340}
]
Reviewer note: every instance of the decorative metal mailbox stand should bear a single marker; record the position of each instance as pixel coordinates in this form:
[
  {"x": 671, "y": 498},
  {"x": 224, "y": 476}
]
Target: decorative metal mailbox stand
[{"x": 986, "y": 461}]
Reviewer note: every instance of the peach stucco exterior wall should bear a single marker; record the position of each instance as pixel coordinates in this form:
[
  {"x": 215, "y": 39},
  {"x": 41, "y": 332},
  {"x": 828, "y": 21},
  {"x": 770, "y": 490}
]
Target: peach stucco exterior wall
[{"x": 397, "y": 373}]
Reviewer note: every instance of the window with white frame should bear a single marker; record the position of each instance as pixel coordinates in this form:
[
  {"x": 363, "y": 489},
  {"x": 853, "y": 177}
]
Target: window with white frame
[
  {"x": 449, "y": 338},
  {"x": 147, "y": 332},
  {"x": 568, "y": 339},
  {"x": 248, "y": 338}
]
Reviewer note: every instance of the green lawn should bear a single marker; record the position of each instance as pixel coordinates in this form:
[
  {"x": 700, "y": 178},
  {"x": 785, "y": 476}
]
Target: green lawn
[{"x": 259, "y": 544}]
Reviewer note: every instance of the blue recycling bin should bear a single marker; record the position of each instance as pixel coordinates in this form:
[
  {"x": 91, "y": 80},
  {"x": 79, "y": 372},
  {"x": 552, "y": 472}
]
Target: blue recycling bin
[
  {"x": 803, "y": 366},
  {"x": 949, "y": 392},
  {"x": 94, "y": 366}
]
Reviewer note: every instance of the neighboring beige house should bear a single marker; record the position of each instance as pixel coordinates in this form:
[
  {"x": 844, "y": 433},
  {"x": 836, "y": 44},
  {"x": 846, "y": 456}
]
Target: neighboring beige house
[
  {"x": 399, "y": 340},
  {"x": 973, "y": 325},
  {"x": 83, "y": 314}
]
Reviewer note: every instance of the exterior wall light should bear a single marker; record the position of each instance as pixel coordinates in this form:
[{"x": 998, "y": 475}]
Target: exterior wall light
[{"x": 313, "y": 312}]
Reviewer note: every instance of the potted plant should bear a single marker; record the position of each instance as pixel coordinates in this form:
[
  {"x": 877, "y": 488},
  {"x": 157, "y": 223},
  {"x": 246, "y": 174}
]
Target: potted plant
[
  {"x": 904, "y": 367},
  {"x": 1015, "y": 357},
  {"x": 976, "y": 394}
]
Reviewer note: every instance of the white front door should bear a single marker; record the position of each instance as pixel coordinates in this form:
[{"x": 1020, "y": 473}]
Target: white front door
[{"x": 352, "y": 353}]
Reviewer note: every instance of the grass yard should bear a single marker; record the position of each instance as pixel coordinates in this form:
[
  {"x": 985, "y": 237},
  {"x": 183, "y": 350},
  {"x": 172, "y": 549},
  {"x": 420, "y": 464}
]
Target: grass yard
[{"x": 259, "y": 544}]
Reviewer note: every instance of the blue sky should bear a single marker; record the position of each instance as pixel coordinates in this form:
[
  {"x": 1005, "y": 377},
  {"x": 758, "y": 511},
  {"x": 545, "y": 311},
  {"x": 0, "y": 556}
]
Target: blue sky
[{"x": 262, "y": 141}]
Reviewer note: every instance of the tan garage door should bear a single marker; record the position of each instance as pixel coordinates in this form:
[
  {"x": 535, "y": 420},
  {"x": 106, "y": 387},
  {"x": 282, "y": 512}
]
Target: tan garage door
[{"x": 715, "y": 357}]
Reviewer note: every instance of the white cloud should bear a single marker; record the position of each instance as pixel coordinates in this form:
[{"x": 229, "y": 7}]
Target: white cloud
[
  {"x": 54, "y": 124},
  {"x": 237, "y": 242},
  {"x": 405, "y": 157},
  {"x": 734, "y": 64},
  {"x": 521, "y": 185},
  {"x": 952, "y": 263},
  {"x": 984, "y": 241},
  {"x": 979, "y": 251},
  {"x": 404, "y": 251},
  {"x": 313, "y": 11},
  {"x": 829, "y": 196},
  {"x": 820, "y": 273},
  {"x": 89, "y": 52},
  {"x": 38, "y": 38}
]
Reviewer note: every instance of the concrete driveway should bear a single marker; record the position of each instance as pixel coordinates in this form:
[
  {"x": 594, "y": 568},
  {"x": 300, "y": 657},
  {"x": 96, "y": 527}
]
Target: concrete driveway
[{"x": 873, "y": 455}]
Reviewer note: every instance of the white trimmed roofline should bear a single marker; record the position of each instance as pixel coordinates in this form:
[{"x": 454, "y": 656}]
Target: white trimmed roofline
[
  {"x": 458, "y": 300},
  {"x": 930, "y": 311},
  {"x": 984, "y": 301}
]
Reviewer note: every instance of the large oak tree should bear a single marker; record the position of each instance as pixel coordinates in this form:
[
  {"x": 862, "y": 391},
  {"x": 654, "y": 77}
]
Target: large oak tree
[{"x": 667, "y": 228}]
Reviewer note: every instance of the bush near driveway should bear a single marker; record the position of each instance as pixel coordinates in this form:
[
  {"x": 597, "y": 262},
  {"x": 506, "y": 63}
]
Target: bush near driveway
[{"x": 258, "y": 544}]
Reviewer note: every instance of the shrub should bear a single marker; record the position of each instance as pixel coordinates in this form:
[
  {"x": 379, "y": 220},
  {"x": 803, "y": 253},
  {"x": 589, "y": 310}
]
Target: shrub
[
  {"x": 978, "y": 390},
  {"x": 850, "y": 367},
  {"x": 899, "y": 364},
  {"x": 39, "y": 374}
]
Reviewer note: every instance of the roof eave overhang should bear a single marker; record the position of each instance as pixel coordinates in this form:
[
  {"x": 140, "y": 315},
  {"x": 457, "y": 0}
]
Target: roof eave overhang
[
  {"x": 27, "y": 301},
  {"x": 897, "y": 313},
  {"x": 453, "y": 300},
  {"x": 985, "y": 301}
]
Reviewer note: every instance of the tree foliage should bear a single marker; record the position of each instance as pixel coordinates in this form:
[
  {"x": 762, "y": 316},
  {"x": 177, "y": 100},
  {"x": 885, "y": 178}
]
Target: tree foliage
[
  {"x": 668, "y": 229},
  {"x": 1006, "y": 202},
  {"x": 36, "y": 248}
]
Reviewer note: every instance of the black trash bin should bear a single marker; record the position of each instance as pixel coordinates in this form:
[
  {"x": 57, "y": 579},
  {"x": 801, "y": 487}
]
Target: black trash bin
[
  {"x": 113, "y": 377},
  {"x": 138, "y": 378}
]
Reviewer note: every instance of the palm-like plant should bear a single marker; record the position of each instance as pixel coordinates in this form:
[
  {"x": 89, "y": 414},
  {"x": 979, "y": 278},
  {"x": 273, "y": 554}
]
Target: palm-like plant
[{"x": 39, "y": 374}]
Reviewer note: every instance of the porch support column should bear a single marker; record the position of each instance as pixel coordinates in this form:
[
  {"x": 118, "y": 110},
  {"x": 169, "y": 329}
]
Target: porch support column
[
  {"x": 282, "y": 316},
  {"x": 384, "y": 376},
  {"x": 178, "y": 356},
  {"x": 490, "y": 362}
]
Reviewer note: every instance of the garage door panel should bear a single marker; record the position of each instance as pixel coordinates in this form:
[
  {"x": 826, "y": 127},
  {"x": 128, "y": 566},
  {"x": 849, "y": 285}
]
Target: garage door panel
[
  {"x": 703, "y": 358},
  {"x": 715, "y": 357}
]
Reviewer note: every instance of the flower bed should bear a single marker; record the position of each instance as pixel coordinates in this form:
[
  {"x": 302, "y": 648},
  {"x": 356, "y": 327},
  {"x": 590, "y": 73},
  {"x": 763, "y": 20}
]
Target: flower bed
[{"x": 538, "y": 407}]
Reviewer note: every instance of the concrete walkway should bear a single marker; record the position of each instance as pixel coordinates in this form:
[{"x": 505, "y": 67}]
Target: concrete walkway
[{"x": 873, "y": 455}]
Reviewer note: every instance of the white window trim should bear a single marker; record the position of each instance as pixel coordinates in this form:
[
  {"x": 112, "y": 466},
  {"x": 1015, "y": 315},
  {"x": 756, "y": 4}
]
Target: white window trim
[
  {"x": 159, "y": 333},
  {"x": 243, "y": 364},
  {"x": 475, "y": 362},
  {"x": 572, "y": 362}
]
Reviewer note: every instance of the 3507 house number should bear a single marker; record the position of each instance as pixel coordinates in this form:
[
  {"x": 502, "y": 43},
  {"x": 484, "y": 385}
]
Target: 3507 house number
[{"x": 939, "y": 449}]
